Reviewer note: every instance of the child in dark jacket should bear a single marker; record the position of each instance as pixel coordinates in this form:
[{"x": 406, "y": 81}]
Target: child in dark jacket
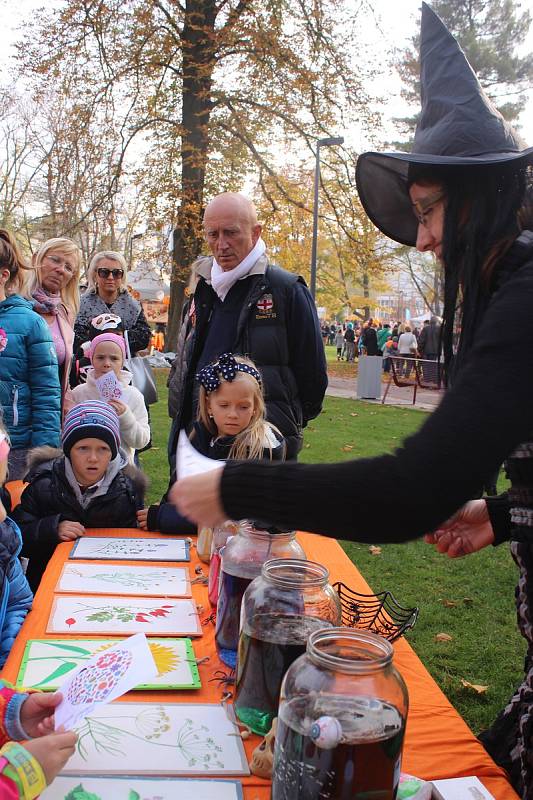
[
  {"x": 88, "y": 485},
  {"x": 231, "y": 424}
]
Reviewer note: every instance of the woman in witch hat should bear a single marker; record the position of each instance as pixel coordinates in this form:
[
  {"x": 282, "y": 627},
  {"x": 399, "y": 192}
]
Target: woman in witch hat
[{"x": 465, "y": 194}]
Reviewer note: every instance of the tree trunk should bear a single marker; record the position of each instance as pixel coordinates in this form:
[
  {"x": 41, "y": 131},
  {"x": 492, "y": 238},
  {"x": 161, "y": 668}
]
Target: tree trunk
[{"x": 198, "y": 41}]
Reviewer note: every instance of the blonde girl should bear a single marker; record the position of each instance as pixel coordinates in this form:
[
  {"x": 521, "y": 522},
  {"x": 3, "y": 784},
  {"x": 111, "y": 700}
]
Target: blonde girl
[
  {"x": 231, "y": 404},
  {"x": 231, "y": 425}
]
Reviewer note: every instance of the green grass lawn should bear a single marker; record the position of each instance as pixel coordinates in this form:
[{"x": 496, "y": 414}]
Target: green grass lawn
[{"x": 470, "y": 599}]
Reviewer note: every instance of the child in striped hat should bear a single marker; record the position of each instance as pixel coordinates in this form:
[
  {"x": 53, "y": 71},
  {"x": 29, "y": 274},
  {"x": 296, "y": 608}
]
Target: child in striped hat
[{"x": 89, "y": 484}]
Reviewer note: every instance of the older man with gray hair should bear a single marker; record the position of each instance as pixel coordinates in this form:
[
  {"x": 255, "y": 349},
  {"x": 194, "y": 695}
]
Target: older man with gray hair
[{"x": 245, "y": 305}]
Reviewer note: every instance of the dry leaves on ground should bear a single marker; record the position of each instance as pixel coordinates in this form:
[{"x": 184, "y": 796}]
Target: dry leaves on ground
[
  {"x": 347, "y": 448},
  {"x": 448, "y": 603},
  {"x": 443, "y": 637},
  {"x": 374, "y": 550},
  {"x": 476, "y": 687}
]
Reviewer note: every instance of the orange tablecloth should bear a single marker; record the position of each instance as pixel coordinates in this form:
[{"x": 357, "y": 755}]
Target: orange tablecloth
[{"x": 438, "y": 742}]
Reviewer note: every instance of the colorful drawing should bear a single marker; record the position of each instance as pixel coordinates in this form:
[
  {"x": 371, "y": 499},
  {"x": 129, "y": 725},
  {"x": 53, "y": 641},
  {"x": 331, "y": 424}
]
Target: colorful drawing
[
  {"x": 129, "y": 580},
  {"x": 95, "y": 683},
  {"x": 120, "y": 615},
  {"x": 103, "y": 547},
  {"x": 122, "y": 787},
  {"x": 46, "y": 662},
  {"x": 169, "y": 739}
]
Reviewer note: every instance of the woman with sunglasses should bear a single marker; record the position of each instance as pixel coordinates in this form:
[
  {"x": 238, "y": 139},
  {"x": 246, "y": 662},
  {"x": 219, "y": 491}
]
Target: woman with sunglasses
[
  {"x": 53, "y": 288},
  {"x": 107, "y": 293},
  {"x": 465, "y": 194}
]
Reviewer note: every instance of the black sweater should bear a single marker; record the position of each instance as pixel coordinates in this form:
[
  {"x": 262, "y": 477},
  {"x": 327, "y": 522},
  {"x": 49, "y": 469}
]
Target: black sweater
[{"x": 480, "y": 421}]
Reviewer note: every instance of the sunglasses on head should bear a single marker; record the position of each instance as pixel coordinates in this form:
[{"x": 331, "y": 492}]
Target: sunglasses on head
[{"x": 103, "y": 272}]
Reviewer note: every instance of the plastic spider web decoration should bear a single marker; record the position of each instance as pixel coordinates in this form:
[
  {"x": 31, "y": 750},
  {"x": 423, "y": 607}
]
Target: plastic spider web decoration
[{"x": 379, "y": 613}]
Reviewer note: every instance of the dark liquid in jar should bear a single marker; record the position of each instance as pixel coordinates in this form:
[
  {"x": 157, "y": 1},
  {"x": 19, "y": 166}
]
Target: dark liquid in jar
[
  {"x": 264, "y": 657},
  {"x": 364, "y": 764},
  {"x": 232, "y": 588}
]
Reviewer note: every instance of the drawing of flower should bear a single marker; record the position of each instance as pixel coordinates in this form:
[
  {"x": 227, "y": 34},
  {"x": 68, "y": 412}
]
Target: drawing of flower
[
  {"x": 159, "y": 612},
  {"x": 152, "y": 722},
  {"x": 3, "y": 339},
  {"x": 70, "y": 621},
  {"x": 165, "y": 658}
]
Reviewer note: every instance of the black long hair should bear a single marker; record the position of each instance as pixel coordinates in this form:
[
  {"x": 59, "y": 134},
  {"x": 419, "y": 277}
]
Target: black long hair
[{"x": 486, "y": 207}]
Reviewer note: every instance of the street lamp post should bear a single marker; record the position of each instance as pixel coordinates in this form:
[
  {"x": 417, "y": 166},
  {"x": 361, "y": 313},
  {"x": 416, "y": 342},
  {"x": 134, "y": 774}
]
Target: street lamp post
[{"x": 327, "y": 142}]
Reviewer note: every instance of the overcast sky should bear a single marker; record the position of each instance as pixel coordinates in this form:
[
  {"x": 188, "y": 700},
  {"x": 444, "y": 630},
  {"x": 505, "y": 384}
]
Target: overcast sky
[{"x": 395, "y": 22}]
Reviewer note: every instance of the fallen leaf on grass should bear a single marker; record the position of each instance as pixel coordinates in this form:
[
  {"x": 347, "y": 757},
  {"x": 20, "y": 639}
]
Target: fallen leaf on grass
[
  {"x": 443, "y": 637},
  {"x": 307, "y": 446},
  {"x": 347, "y": 448},
  {"x": 448, "y": 603},
  {"x": 353, "y": 414},
  {"x": 374, "y": 550},
  {"x": 476, "y": 687},
  {"x": 468, "y": 601}
]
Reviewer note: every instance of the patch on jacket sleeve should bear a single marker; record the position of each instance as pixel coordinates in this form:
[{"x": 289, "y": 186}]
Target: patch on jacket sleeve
[{"x": 265, "y": 307}]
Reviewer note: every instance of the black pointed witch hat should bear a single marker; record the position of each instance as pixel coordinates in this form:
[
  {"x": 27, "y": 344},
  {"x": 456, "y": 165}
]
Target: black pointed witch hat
[{"x": 459, "y": 126}]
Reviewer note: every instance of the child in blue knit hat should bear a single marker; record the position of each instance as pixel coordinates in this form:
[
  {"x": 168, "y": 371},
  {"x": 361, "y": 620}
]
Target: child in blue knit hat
[{"x": 89, "y": 484}]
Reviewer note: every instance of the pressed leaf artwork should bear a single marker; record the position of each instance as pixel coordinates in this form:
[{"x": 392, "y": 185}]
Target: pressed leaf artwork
[
  {"x": 125, "y": 787},
  {"x": 129, "y": 580},
  {"x": 46, "y": 662},
  {"x": 162, "y": 739},
  {"x": 123, "y": 615},
  {"x": 103, "y": 547}
]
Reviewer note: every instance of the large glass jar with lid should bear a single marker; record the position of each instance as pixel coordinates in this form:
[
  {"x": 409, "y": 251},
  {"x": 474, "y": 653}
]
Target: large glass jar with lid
[
  {"x": 341, "y": 721},
  {"x": 242, "y": 559},
  {"x": 280, "y": 609}
]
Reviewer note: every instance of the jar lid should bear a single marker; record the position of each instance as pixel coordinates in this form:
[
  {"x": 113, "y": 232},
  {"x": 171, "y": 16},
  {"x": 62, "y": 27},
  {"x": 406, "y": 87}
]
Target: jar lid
[
  {"x": 288, "y": 573},
  {"x": 248, "y": 528},
  {"x": 349, "y": 650}
]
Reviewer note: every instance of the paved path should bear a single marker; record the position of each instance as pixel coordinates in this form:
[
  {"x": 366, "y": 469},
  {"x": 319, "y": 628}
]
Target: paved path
[{"x": 426, "y": 400}]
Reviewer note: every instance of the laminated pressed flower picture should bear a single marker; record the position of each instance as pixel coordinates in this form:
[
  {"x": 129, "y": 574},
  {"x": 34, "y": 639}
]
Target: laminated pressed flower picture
[
  {"x": 123, "y": 615},
  {"x": 128, "y": 580},
  {"x": 102, "y": 548},
  {"x": 159, "y": 739},
  {"x": 123, "y": 787},
  {"x": 47, "y": 662}
]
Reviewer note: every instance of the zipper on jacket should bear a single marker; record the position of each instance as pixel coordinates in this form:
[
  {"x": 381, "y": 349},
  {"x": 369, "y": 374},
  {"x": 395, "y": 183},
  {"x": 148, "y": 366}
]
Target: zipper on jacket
[{"x": 15, "y": 406}]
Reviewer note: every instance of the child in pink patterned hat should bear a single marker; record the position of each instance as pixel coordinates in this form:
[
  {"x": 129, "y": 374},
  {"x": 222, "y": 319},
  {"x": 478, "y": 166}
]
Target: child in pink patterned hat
[
  {"x": 107, "y": 353},
  {"x": 89, "y": 484}
]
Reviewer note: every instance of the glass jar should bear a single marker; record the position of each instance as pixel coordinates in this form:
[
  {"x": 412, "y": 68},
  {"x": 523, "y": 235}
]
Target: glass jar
[
  {"x": 242, "y": 559},
  {"x": 341, "y": 721},
  {"x": 280, "y": 608},
  {"x": 221, "y": 534}
]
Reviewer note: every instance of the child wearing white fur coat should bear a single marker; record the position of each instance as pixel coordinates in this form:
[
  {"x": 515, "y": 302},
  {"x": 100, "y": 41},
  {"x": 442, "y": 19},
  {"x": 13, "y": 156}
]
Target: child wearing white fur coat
[{"x": 107, "y": 353}]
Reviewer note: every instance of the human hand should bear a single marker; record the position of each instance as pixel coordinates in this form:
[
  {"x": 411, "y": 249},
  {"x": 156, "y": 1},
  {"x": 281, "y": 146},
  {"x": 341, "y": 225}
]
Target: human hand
[
  {"x": 198, "y": 498},
  {"x": 119, "y": 406},
  {"x": 53, "y": 751},
  {"x": 68, "y": 531},
  {"x": 466, "y": 532},
  {"x": 142, "y": 518},
  {"x": 37, "y": 712}
]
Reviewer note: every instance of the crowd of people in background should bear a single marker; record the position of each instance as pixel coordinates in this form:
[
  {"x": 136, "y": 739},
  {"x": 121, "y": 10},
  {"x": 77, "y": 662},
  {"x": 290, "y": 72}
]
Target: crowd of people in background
[{"x": 385, "y": 339}]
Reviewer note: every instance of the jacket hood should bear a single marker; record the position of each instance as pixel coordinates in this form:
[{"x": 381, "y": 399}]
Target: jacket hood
[
  {"x": 14, "y": 301},
  {"x": 41, "y": 459}
]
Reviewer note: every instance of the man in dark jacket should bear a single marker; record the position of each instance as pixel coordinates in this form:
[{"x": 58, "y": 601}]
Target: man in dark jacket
[
  {"x": 243, "y": 304},
  {"x": 429, "y": 341}
]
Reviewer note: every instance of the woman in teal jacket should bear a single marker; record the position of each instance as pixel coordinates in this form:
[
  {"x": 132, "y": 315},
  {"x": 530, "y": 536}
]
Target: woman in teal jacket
[{"x": 30, "y": 395}]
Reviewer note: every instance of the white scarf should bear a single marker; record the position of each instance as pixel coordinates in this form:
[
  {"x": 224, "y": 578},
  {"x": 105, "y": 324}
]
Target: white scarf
[{"x": 223, "y": 281}]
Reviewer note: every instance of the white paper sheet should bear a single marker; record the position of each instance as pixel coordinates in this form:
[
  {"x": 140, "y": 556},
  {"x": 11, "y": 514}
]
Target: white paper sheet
[
  {"x": 122, "y": 787},
  {"x": 159, "y": 739},
  {"x": 126, "y": 579},
  {"x": 103, "y": 678},
  {"x": 109, "y": 387},
  {"x": 116, "y": 616},
  {"x": 114, "y": 548},
  {"x": 190, "y": 462}
]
